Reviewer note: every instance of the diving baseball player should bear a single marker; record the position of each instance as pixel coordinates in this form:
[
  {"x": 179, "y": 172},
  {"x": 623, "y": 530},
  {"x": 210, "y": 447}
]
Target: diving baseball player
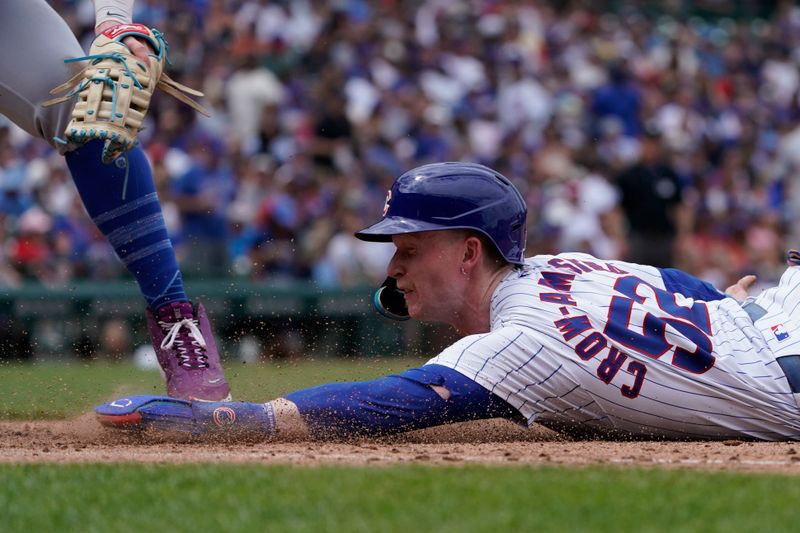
[
  {"x": 94, "y": 122},
  {"x": 573, "y": 342}
]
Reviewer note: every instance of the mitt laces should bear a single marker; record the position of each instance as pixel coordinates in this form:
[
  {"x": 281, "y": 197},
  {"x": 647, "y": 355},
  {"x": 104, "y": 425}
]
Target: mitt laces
[
  {"x": 106, "y": 79},
  {"x": 185, "y": 337},
  {"x": 161, "y": 52}
]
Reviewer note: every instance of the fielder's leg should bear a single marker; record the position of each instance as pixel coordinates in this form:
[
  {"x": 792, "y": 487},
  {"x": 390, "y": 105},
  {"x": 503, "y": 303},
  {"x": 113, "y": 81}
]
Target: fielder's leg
[
  {"x": 120, "y": 197},
  {"x": 35, "y": 41}
]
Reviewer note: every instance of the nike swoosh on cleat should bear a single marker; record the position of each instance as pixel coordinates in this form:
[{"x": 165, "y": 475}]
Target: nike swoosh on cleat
[{"x": 213, "y": 381}]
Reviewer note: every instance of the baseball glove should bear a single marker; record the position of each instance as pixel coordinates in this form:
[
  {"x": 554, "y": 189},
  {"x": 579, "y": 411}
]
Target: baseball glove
[{"x": 113, "y": 91}]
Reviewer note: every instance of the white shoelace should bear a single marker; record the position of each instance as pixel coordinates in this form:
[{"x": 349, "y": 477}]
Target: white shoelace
[{"x": 172, "y": 338}]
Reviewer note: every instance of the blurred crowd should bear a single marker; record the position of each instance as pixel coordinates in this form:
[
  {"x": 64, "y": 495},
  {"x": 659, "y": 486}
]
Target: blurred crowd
[{"x": 658, "y": 138}]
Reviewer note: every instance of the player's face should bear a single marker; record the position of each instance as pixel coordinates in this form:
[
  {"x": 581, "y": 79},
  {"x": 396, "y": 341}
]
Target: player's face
[{"x": 427, "y": 267}]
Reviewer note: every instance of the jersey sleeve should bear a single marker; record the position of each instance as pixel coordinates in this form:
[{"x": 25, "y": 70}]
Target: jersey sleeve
[{"x": 682, "y": 283}]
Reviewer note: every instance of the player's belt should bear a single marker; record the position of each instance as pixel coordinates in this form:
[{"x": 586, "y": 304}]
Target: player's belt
[{"x": 790, "y": 364}]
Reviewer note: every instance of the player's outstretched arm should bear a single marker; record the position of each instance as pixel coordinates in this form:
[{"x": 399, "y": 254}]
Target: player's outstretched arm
[{"x": 417, "y": 398}]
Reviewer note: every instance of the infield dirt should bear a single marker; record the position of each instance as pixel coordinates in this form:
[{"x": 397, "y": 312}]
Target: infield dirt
[{"x": 492, "y": 442}]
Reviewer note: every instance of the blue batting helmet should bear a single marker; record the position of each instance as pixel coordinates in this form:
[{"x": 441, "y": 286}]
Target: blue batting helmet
[{"x": 455, "y": 195}]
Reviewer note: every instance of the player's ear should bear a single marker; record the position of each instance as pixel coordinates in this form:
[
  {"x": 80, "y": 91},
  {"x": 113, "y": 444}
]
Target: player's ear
[{"x": 473, "y": 251}]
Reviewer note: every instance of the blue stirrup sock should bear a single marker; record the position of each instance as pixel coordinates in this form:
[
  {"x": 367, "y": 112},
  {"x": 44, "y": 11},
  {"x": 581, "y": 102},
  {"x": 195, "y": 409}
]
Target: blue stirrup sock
[{"x": 121, "y": 199}]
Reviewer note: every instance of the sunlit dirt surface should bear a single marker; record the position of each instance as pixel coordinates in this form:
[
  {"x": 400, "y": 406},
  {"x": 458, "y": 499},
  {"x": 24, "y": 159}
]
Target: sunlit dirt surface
[{"x": 492, "y": 442}]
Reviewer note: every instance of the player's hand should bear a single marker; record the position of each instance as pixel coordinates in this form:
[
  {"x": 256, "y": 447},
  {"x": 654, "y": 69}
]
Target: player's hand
[
  {"x": 739, "y": 289},
  {"x": 137, "y": 47}
]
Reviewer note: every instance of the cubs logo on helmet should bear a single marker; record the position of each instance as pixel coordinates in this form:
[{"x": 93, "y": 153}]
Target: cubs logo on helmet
[{"x": 386, "y": 203}]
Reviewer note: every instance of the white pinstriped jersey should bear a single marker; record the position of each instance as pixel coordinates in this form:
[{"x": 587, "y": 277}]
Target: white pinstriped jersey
[{"x": 576, "y": 340}]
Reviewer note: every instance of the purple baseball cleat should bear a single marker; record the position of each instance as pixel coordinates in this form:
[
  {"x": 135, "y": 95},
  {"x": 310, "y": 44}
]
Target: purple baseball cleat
[{"x": 187, "y": 352}]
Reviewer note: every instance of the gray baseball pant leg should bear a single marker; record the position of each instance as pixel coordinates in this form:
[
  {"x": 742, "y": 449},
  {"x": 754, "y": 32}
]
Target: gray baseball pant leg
[{"x": 34, "y": 41}]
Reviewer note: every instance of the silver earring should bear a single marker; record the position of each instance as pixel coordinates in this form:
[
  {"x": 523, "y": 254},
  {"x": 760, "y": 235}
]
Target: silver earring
[{"x": 463, "y": 271}]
